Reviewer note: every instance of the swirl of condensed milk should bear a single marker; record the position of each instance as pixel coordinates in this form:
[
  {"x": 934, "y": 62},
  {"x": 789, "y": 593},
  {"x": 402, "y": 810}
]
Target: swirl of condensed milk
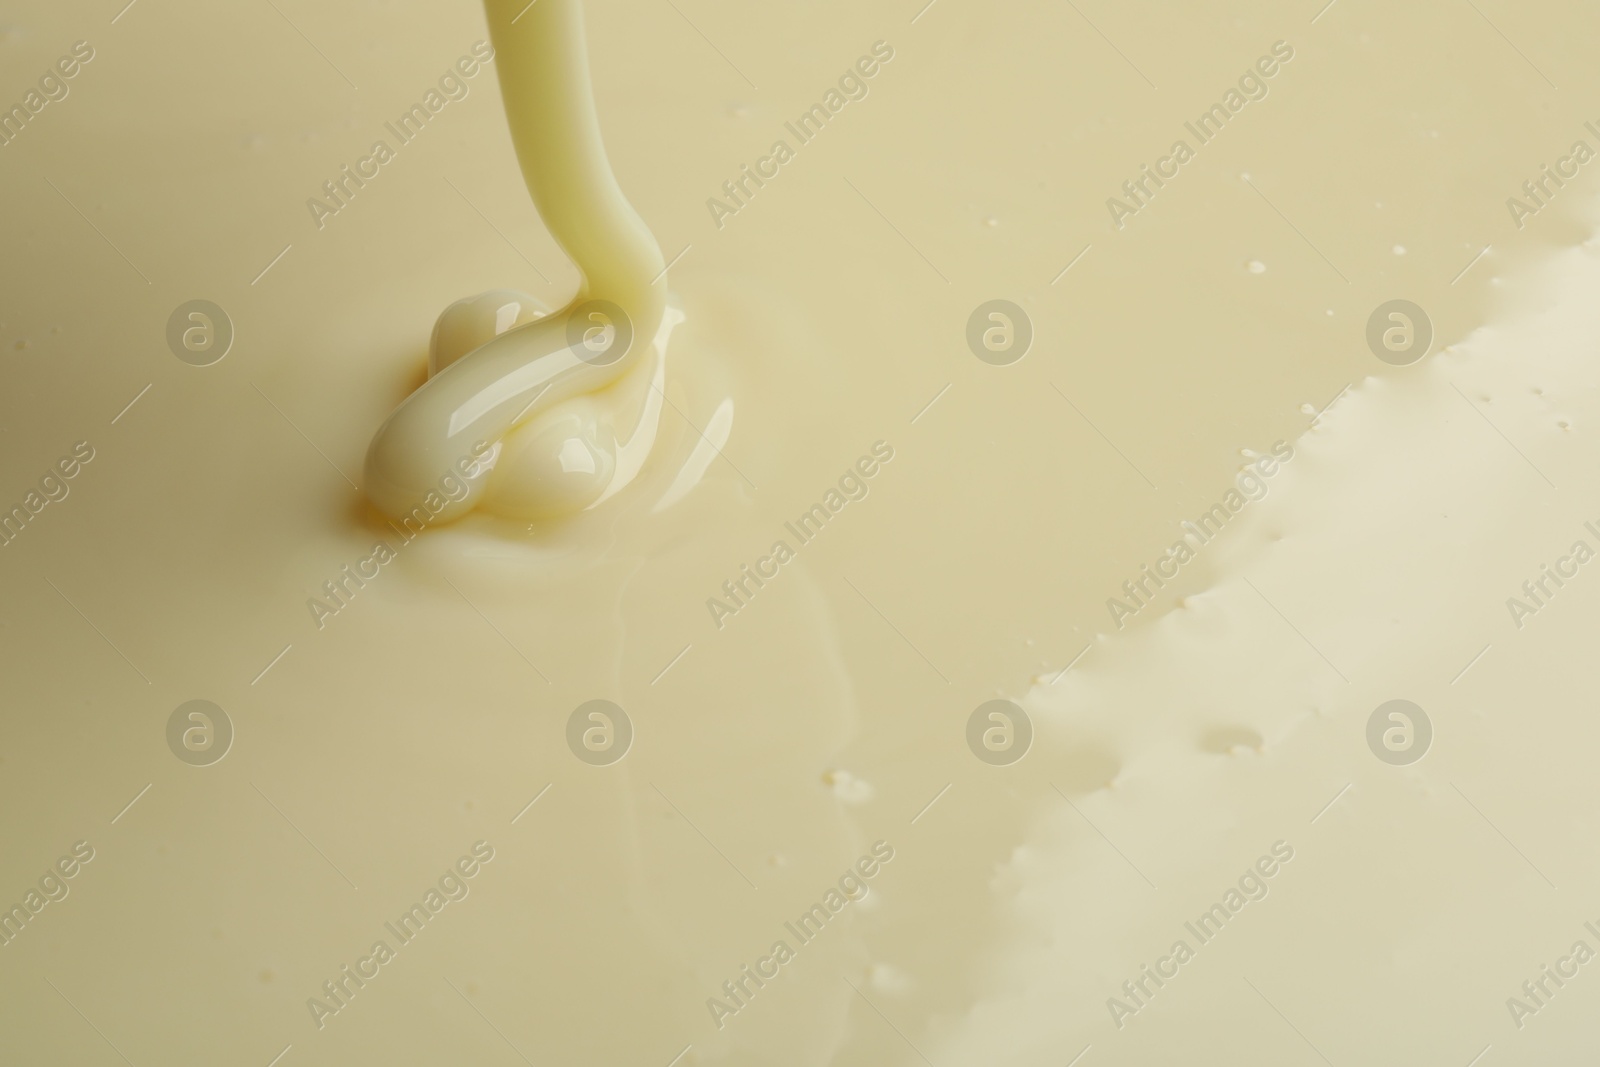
[{"x": 511, "y": 380}]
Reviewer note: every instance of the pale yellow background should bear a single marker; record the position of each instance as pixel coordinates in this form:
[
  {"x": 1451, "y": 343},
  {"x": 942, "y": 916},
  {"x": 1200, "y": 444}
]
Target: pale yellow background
[{"x": 827, "y": 714}]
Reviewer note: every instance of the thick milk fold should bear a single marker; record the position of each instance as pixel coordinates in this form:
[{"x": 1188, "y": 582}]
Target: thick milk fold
[
  {"x": 557, "y": 459},
  {"x": 785, "y": 572}
]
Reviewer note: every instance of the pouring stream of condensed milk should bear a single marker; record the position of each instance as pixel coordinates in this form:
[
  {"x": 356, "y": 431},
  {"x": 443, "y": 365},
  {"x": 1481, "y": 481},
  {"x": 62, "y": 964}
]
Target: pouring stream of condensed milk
[{"x": 514, "y": 419}]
